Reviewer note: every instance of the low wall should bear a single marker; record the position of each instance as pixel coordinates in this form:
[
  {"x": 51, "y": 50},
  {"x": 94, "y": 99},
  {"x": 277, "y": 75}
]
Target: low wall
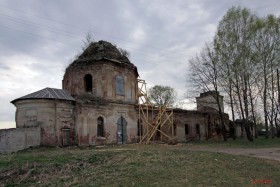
[{"x": 13, "y": 140}]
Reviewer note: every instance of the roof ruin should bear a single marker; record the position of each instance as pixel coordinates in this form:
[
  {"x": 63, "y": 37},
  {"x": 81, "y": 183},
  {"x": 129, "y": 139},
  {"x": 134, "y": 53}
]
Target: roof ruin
[{"x": 100, "y": 51}]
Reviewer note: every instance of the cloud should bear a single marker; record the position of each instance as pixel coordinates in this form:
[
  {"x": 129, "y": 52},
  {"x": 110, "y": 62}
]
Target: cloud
[
  {"x": 39, "y": 39},
  {"x": 4, "y": 67},
  {"x": 138, "y": 35}
]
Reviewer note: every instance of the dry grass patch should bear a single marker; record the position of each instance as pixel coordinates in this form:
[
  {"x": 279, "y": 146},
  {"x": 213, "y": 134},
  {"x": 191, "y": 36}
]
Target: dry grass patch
[{"x": 132, "y": 165}]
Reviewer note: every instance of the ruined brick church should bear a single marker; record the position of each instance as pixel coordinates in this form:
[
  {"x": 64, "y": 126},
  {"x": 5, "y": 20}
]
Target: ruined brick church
[{"x": 98, "y": 104}]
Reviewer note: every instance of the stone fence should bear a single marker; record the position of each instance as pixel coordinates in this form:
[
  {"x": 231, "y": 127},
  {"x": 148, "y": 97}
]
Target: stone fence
[{"x": 13, "y": 140}]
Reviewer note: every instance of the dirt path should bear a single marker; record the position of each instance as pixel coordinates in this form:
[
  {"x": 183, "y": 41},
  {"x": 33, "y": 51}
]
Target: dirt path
[{"x": 267, "y": 153}]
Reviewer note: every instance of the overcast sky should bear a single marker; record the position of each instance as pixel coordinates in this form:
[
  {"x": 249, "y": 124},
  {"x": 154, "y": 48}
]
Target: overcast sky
[{"x": 38, "y": 39}]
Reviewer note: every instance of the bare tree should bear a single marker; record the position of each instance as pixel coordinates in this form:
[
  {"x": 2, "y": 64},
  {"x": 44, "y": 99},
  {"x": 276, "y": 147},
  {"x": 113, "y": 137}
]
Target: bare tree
[
  {"x": 88, "y": 40},
  {"x": 204, "y": 75}
]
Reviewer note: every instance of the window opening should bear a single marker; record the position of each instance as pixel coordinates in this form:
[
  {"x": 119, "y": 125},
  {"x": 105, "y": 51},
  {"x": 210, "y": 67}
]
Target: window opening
[
  {"x": 88, "y": 83},
  {"x": 186, "y": 129},
  {"x": 119, "y": 85},
  {"x": 100, "y": 127}
]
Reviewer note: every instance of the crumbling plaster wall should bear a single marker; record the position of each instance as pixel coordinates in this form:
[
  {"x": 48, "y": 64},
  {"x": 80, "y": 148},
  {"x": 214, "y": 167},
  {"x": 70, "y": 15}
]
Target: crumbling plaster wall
[
  {"x": 103, "y": 81},
  {"x": 104, "y": 74},
  {"x": 86, "y": 123},
  {"x": 50, "y": 115},
  {"x": 13, "y": 140},
  {"x": 192, "y": 118},
  {"x": 207, "y": 121},
  {"x": 239, "y": 128},
  {"x": 209, "y": 102}
]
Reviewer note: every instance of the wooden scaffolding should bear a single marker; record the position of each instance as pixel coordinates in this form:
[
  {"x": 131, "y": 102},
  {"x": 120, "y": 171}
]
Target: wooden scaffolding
[{"x": 155, "y": 122}]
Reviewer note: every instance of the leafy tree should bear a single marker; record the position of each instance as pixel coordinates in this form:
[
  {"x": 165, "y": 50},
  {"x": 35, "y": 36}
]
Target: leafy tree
[
  {"x": 242, "y": 63},
  {"x": 266, "y": 47},
  {"x": 232, "y": 46},
  {"x": 162, "y": 95}
]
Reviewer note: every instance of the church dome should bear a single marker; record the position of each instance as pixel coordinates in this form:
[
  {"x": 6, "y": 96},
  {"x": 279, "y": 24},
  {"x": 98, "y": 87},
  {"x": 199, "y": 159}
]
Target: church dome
[
  {"x": 102, "y": 51},
  {"x": 102, "y": 70}
]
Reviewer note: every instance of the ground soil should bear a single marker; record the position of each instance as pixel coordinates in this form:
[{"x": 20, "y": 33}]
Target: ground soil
[{"x": 266, "y": 153}]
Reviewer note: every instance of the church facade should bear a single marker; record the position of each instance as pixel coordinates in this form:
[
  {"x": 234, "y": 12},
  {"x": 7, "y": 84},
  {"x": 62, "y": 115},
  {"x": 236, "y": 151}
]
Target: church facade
[{"x": 98, "y": 105}]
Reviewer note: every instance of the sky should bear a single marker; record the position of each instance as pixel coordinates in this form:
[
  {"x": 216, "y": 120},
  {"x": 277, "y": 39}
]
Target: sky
[{"x": 38, "y": 39}]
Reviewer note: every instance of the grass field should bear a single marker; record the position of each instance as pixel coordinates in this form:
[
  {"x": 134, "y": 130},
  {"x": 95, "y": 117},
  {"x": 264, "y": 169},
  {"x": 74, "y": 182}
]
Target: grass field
[{"x": 133, "y": 165}]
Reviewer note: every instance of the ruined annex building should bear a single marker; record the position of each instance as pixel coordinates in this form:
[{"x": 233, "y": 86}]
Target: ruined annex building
[{"x": 100, "y": 103}]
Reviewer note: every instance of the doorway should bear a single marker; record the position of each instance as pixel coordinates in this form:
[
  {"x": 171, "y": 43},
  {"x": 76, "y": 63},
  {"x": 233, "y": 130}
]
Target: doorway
[
  {"x": 65, "y": 137},
  {"x": 121, "y": 130}
]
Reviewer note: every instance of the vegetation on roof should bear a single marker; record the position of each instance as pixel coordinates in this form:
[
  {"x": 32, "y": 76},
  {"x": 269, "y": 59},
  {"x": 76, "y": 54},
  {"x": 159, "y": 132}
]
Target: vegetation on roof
[
  {"x": 104, "y": 49},
  {"x": 96, "y": 51},
  {"x": 87, "y": 98}
]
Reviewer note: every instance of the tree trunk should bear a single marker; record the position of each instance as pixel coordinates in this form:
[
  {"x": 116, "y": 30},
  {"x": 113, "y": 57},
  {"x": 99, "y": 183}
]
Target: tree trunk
[
  {"x": 248, "y": 128},
  {"x": 239, "y": 99},
  {"x": 278, "y": 106},
  {"x": 265, "y": 103},
  {"x": 253, "y": 111},
  {"x": 231, "y": 101},
  {"x": 272, "y": 104},
  {"x": 221, "y": 117},
  {"x": 245, "y": 97},
  {"x": 240, "y": 105},
  {"x": 232, "y": 109}
]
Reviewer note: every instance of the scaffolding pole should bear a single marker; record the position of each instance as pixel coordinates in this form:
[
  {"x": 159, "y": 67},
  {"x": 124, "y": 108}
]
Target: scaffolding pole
[{"x": 154, "y": 121}]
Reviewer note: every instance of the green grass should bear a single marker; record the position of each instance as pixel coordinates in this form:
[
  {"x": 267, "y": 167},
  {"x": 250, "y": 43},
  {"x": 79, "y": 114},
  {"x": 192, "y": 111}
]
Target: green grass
[
  {"x": 132, "y": 165},
  {"x": 260, "y": 142}
]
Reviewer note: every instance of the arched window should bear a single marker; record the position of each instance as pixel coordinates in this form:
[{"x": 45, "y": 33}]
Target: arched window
[
  {"x": 88, "y": 83},
  {"x": 119, "y": 85},
  {"x": 100, "y": 127}
]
